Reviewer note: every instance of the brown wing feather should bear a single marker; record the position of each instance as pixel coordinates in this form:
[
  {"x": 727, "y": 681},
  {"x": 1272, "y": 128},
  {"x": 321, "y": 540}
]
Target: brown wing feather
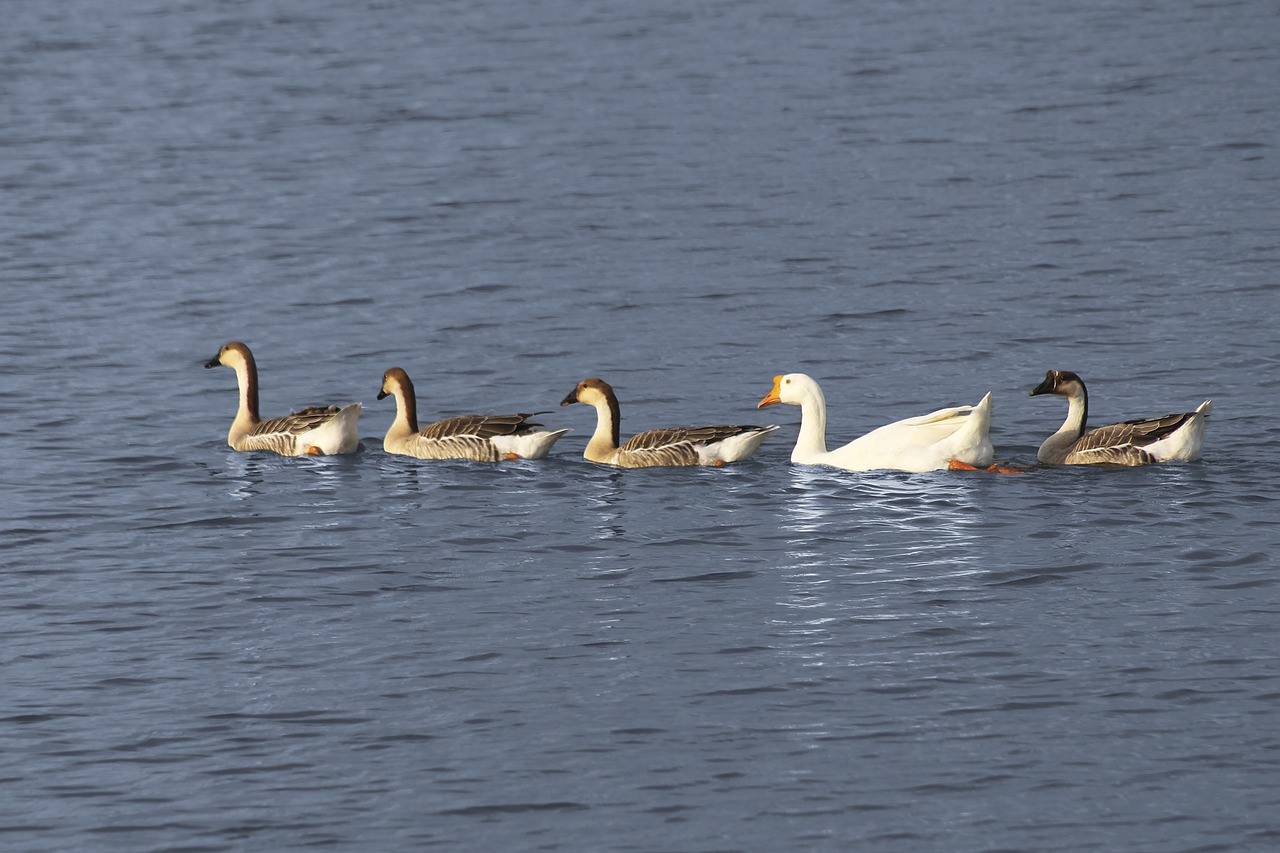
[
  {"x": 479, "y": 426},
  {"x": 674, "y": 445},
  {"x": 278, "y": 442},
  {"x": 683, "y": 454},
  {"x": 297, "y": 423},
  {"x": 453, "y": 447},
  {"x": 1123, "y": 443},
  {"x": 656, "y": 438},
  {"x": 1126, "y": 454}
]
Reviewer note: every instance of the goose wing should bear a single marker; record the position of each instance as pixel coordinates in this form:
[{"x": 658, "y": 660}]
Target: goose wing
[
  {"x": 479, "y": 426},
  {"x": 676, "y": 445},
  {"x": 659, "y": 447},
  {"x": 1124, "y": 443},
  {"x": 467, "y": 437},
  {"x": 280, "y": 434},
  {"x": 303, "y": 420},
  {"x": 668, "y": 436}
]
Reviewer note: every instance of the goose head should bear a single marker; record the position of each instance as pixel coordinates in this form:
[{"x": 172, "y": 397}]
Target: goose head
[
  {"x": 395, "y": 381},
  {"x": 1061, "y": 382},
  {"x": 793, "y": 388},
  {"x": 593, "y": 392},
  {"x": 233, "y": 354}
]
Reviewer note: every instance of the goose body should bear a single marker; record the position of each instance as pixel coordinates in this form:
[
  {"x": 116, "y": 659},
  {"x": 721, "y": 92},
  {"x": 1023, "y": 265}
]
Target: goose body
[
  {"x": 1146, "y": 441},
  {"x": 313, "y": 431},
  {"x": 669, "y": 446},
  {"x": 926, "y": 443},
  {"x": 482, "y": 438}
]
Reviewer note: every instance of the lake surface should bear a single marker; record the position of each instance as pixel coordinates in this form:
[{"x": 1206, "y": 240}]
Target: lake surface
[{"x": 914, "y": 202}]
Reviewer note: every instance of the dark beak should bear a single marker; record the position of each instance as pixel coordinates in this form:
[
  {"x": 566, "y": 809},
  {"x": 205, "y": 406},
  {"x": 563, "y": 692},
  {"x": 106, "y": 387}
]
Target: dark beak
[
  {"x": 382, "y": 394},
  {"x": 571, "y": 398},
  {"x": 213, "y": 362},
  {"x": 1045, "y": 387}
]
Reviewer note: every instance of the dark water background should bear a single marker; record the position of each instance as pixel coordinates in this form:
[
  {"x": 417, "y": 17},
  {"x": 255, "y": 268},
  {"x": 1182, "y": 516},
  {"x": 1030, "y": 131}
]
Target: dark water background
[{"x": 915, "y": 202}]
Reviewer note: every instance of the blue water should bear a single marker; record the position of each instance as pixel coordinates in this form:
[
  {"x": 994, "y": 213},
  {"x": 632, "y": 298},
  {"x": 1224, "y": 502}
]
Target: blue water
[{"x": 913, "y": 202}]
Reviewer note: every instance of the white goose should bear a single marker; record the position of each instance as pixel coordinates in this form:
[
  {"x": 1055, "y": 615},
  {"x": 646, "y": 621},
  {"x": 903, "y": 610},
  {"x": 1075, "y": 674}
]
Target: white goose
[
  {"x": 483, "y": 438},
  {"x": 948, "y": 438},
  {"x": 1132, "y": 443},
  {"x": 313, "y": 431},
  {"x": 670, "y": 446}
]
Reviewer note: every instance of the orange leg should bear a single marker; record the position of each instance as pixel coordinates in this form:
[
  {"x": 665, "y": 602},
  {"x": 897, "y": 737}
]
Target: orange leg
[{"x": 994, "y": 468}]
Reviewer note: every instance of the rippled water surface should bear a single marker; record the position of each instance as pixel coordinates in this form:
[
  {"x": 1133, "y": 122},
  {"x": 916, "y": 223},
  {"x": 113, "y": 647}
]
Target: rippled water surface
[{"x": 914, "y": 202}]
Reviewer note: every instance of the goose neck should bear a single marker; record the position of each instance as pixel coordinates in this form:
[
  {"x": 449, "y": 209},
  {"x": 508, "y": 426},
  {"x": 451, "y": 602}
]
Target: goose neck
[
  {"x": 607, "y": 433},
  {"x": 406, "y": 405},
  {"x": 1055, "y": 448},
  {"x": 1077, "y": 414},
  {"x": 813, "y": 423},
  {"x": 247, "y": 381}
]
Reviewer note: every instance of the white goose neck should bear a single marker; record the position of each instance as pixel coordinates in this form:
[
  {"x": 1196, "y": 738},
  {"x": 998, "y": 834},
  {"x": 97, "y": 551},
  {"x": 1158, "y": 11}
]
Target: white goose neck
[{"x": 813, "y": 424}]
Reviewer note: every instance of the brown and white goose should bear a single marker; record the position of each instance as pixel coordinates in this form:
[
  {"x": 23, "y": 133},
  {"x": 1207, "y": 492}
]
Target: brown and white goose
[
  {"x": 670, "y": 446},
  {"x": 482, "y": 438},
  {"x": 313, "y": 431},
  {"x": 1146, "y": 441}
]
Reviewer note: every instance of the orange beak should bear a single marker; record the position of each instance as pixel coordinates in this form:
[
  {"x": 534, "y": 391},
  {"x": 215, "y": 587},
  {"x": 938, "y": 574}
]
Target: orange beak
[{"x": 773, "y": 395}]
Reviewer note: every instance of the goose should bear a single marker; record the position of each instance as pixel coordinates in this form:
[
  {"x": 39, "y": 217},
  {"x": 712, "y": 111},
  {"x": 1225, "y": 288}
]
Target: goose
[
  {"x": 1132, "y": 443},
  {"x": 483, "y": 438},
  {"x": 948, "y": 438},
  {"x": 313, "y": 431},
  {"x": 669, "y": 446}
]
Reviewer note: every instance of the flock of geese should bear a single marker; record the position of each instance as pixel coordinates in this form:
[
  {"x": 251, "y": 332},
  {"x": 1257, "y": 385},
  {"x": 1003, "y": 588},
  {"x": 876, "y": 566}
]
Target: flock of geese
[{"x": 956, "y": 438}]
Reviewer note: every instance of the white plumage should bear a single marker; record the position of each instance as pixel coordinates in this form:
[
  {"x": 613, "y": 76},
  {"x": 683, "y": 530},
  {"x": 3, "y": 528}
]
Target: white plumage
[{"x": 926, "y": 443}]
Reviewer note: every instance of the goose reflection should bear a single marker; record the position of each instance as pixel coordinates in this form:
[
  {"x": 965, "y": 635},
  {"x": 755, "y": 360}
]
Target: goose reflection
[
  {"x": 602, "y": 511},
  {"x": 887, "y": 522},
  {"x": 862, "y": 547},
  {"x": 244, "y": 475}
]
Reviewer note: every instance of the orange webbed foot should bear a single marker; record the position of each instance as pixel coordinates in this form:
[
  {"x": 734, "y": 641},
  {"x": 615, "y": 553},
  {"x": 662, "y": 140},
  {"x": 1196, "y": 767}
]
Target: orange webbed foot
[
  {"x": 994, "y": 468},
  {"x": 513, "y": 456}
]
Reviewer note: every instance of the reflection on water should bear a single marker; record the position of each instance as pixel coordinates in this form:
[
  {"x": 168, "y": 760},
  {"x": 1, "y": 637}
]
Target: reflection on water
[
  {"x": 602, "y": 506},
  {"x": 887, "y": 522},
  {"x": 858, "y": 547},
  {"x": 316, "y": 481},
  {"x": 608, "y": 505},
  {"x": 242, "y": 471}
]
